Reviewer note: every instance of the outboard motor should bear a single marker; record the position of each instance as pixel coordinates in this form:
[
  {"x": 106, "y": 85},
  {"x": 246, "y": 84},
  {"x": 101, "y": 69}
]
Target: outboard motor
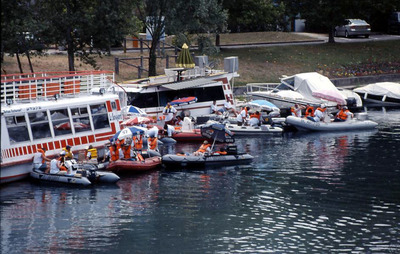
[
  {"x": 231, "y": 149},
  {"x": 351, "y": 102}
]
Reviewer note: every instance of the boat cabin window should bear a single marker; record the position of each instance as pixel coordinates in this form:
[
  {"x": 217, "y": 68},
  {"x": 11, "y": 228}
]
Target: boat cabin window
[
  {"x": 80, "y": 118},
  {"x": 40, "y": 125},
  {"x": 61, "y": 122},
  {"x": 113, "y": 105},
  {"x": 146, "y": 100},
  {"x": 100, "y": 116},
  {"x": 284, "y": 86},
  {"x": 17, "y": 128}
]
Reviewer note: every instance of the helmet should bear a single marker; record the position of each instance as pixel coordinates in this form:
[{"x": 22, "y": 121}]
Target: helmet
[
  {"x": 345, "y": 107},
  {"x": 323, "y": 105}
]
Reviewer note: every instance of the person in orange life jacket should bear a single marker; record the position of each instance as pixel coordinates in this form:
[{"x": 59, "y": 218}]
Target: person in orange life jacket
[
  {"x": 170, "y": 113},
  {"x": 343, "y": 114},
  {"x": 138, "y": 142},
  {"x": 204, "y": 148},
  {"x": 112, "y": 153},
  {"x": 126, "y": 153},
  {"x": 319, "y": 114},
  {"x": 222, "y": 151},
  {"x": 68, "y": 154},
  {"x": 242, "y": 117},
  {"x": 39, "y": 160},
  {"x": 309, "y": 111},
  {"x": 296, "y": 110},
  {"x": 57, "y": 165},
  {"x": 152, "y": 144},
  {"x": 255, "y": 119}
]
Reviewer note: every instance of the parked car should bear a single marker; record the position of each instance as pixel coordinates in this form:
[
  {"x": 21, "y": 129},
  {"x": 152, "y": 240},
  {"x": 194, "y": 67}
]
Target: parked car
[
  {"x": 353, "y": 27},
  {"x": 394, "y": 23}
]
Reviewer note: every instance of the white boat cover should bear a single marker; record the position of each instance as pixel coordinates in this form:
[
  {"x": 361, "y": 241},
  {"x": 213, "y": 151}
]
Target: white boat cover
[
  {"x": 307, "y": 83},
  {"x": 390, "y": 89}
]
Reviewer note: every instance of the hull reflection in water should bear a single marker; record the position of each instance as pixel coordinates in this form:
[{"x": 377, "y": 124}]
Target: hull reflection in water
[{"x": 303, "y": 193}]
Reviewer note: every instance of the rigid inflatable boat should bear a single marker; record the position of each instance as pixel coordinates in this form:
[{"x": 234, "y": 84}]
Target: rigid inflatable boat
[
  {"x": 75, "y": 179},
  {"x": 350, "y": 125},
  {"x": 126, "y": 166},
  {"x": 173, "y": 160}
]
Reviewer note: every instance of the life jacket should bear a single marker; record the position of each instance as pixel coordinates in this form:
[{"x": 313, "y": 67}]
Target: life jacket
[
  {"x": 93, "y": 153},
  {"x": 255, "y": 116},
  {"x": 293, "y": 111},
  {"x": 221, "y": 152},
  {"x": 68, "y": 154},
  {"x": 127, "y": 152},
  {"x": 138, "y": 142},
  {"x": 152, "y": 143},
  {"x": 203, "y": 148},
  {"x": 321, "y": 109},
  {"x": 342, "y": 114},
  {"x": 62, "y": 167},
  {"x": 114, "y": 154},
  {"x": 309, "y": 111},
  {"x": 139, "y": 157}
]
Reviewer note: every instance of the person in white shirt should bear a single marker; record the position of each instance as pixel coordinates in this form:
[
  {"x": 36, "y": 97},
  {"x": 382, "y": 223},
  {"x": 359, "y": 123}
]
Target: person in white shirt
[
  {"x": 242, "y": 117},
  {"x": 170, "y": 114},
  {"x": 169, "y": 130},
  {"x": 228, "y": 107},
  {"x": 319, "y": 114},
  {"x": 214, "y": 109},
  {"x": 296, "y": 110}
]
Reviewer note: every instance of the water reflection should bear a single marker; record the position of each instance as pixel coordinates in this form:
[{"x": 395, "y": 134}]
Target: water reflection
[{"x": 304, "y": 193}]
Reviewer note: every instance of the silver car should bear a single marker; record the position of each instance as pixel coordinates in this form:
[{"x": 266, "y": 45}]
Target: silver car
[{"x": 353, "y": 27}]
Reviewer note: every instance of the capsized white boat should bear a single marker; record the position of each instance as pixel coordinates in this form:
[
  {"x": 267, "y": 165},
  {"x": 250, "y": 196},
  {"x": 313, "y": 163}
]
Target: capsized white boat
[
  {"x": 304, "y": 124},
  {"x": 382, "y": 93}
]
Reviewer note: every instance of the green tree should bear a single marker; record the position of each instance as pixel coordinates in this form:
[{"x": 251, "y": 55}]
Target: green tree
[
  {"x": 179, "y": 17},
  {"x": 254, "y": 15},
  {"x": 85, "y": 27}
]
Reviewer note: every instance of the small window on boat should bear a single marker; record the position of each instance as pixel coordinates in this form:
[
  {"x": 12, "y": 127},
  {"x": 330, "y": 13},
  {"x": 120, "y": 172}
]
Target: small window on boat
[
  {"x": 99, "y": 116},
  {"x": 80, "y": 118},
  {"x": 61, "y": 122},
  {"x": 17, "y": 129},
  {"x": 113, "y": 105},
  {"x": 40, "y": 125}
]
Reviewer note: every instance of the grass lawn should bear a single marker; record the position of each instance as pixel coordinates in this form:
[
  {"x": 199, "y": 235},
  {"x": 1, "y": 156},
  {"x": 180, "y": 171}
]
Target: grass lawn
[{"x": 266, "y": 64}]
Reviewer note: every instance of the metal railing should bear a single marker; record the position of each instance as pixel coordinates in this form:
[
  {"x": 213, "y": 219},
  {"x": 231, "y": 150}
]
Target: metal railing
[
  {"x": 261, "y": 87},
  {"x": 29, "y": 87}
]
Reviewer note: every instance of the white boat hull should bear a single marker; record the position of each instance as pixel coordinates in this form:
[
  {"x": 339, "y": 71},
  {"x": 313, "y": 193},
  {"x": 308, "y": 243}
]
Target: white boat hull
[
  {"x": 304, "y": 124},
  {"x": 250, "y": 130}
]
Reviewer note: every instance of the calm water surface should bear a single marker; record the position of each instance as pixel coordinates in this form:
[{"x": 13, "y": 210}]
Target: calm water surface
[{"x": 304, "y": 193}]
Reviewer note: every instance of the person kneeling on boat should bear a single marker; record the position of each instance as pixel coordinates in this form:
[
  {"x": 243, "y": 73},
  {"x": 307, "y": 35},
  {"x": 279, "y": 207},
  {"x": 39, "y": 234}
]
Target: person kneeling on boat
[
  {"x": 319, "y": 114},
  {"x": 343, "y": 115},
  {"x": 204, "y": 148},
  {"x": 39, "y": 160},
  {"x": 57, "y": 165},
  {"x": 169, "y": 130}
]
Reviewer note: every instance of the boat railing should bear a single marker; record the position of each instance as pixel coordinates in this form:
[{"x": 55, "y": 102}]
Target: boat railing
[
  {"x": 261, "y": 87},
  {"x": 30, "y": 87}
]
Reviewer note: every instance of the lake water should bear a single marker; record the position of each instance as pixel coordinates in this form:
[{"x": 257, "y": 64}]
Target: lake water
[{"x": 304, "y": 193}]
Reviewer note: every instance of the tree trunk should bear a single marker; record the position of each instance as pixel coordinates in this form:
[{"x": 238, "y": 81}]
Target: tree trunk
[
  {"x": 153, "y": 58},
  {"x": 19, "y": 63},
  {"x": 217, "y": 40},
  {"x": 331, "y": 35},
  {"x": 29, "y": 60}
]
